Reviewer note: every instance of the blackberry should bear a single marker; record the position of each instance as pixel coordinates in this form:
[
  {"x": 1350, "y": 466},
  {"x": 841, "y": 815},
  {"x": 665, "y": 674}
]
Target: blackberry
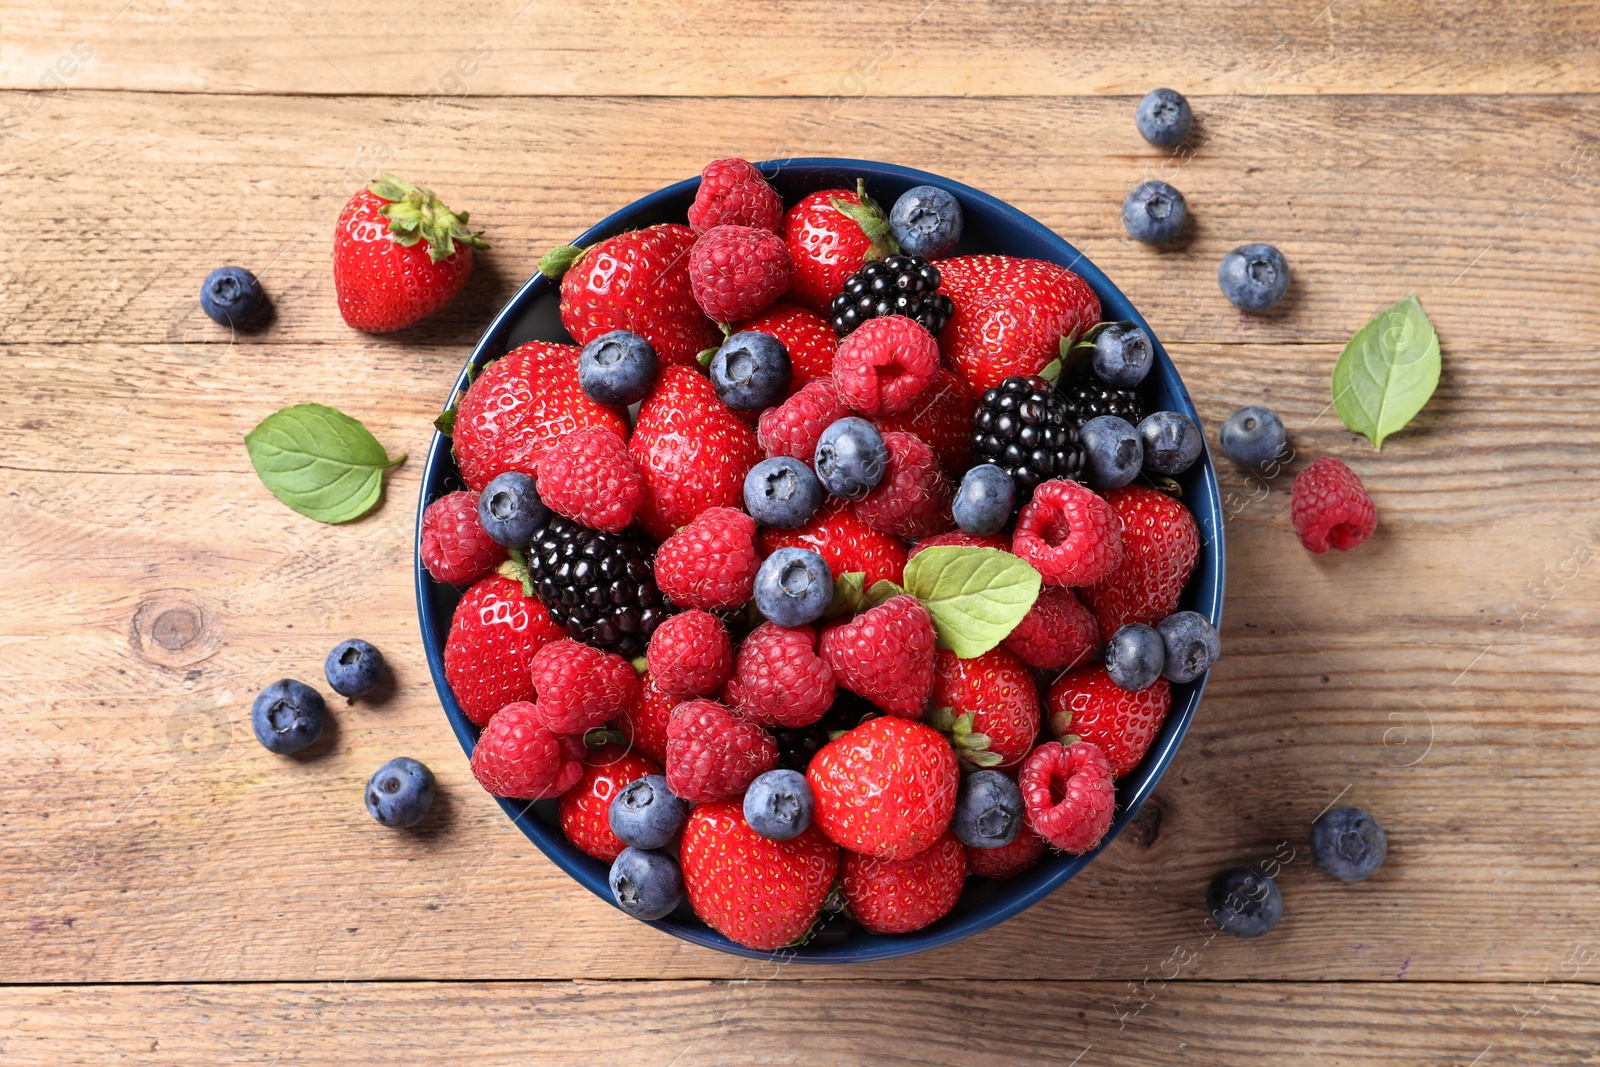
[
  {"x": 1025, "y": 427},
  {"x": 600, "y": 586},
  {"x": 1088, "y": 397},
  {"x": 797, "y": 744},
  {"x": 898, "y": 285}
]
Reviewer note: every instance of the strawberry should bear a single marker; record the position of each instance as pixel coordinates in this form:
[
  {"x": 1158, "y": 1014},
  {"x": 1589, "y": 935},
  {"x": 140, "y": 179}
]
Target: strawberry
[
  {"x": 830, "y": 235},
  {"x": 1010, "y": 316},
  {"x": 1068, "y": 796},
  {"x": 1057, "y": 633},
  {"x": 886, "y": 655},
  {"x": 887, "y": 788},
  {"x": 645, "y": 724},
  {"x": 1160, "y": 545},
  {"x": 494, "y": 634},
  {"x": 942, "y": 416},
  {"x": 517, "y": 757},
  {"x": 989, "y": 705},
  {"x": 899, "y": 896},
  {"x": 635, "y": 281},
  {"x": 760, "y": 893},
  {"x": 1087, "y": 704},
  {"x": 399, "y": 255},
  {"x": 692, "y": 450},
  {"x": 1007, "y": 861},
  {"x": 809, "y": 339},
  {"x": 847, "y": 543},
  {"x": 585, "y": 809},
  {"x": 519, "y": 404}
]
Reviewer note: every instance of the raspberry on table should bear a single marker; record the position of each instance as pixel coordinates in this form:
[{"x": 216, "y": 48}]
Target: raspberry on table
[
  {"x": 886, "y": 654},
  {"x": 455, "y": 547},
  {"x": 518, "y": 756},
  {"x": 579, "y": 687},
  {"x": 1057, "y": 633},
  {"x": 1069, "y": 534},
  {"x": 884, "y": 364},
  {"x": 1068, "y": 794},
  {"x": 711, "y": 563},
  {"x": 778, "y": 678},
  {"x": 912, "y": 500},
  {"x": 734, "y": 193},
  {"x": 712, "y": 754},
  {"x": 589, "y": 476},
  {"x": 736, "y": 272},
  {"x": 1331, "y": 508},
  {"x": 793, "y": 427},
  {"x": 690, "y": 655}
]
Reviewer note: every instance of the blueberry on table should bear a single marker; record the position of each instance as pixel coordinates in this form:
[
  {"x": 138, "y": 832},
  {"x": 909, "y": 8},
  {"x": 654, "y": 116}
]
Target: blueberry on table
[
  {"x": 985, "y": 500},
  {"x": 1348, "y": 844},
  {"x": 231, "y": 296},
  {"x": 778, "y": 805},
  {"x": 1135, "y": 656},
  {"x": 400, "y": 792},
  {"x": 617, "y": 368},
  {"x": 1192, "y": 645},
  {"x": 1253, "y": 277},
  {"x": 751, "y": 371},
  {"x": 850, "y": 457},
  {"x": 1244, "y": 902},
  {"x": 288, "y": 716},
  {"x": 1172, "y": 442},
  {"x": 1123, "y": 354},
  {"x": 782, "y": 492},
  {"x": 646, "y": 885},
  {"x": 926, "y": 221},
  {"x": 510, "y": 510},
  {"x": 793, "y": 587},
  {"x": 989, "y": 810},
  {"x": 1253, "y": 436},
  {"x": 1154, "y": 213},
  {"x": 1113, "y": 452},
  {"x": 1164, "y": 118},
  {"x": 645, "y": 814},
  {"x": 353, "y": 668}
]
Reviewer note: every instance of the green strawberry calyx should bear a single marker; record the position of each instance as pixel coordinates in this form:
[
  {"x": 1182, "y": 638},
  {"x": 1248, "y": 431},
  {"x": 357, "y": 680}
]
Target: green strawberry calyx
[
  {"x": 560, "y": 259},
  {"x": 415, "y": 214},
  {"x": 872, "y": 219},
  {"x": 516, "y": 568},
  {"x": 969, "y": 746}
]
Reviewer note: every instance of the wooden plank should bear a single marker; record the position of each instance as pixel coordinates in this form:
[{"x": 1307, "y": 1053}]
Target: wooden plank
[{"x": 909, "y": 48}]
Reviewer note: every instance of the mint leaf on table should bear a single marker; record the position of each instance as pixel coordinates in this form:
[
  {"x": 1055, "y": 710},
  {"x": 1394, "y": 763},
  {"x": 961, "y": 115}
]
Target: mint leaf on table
[
  {"x": 319, "y": 461},
  {"x": 1387, "y": 372},
  {"x": 975, "y": 595}
]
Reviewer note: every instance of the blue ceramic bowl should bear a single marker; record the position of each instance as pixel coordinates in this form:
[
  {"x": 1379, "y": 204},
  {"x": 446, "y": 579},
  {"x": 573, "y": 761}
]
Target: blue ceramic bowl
[{"x": 991, "y": 226}]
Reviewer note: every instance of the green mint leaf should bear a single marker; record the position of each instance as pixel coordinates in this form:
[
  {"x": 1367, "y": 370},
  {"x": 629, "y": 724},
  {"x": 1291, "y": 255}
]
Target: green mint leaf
[
  {"x": 849, "y": 596},
  {"x": 975, "y": 595},
  {"x": 1387, "y": 372},
  {"x": 319, "y": 461},
  {"x": 882, "y": 591}
]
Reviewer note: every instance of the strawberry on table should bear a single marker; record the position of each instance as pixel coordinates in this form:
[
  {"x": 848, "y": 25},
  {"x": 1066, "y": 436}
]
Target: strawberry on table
[
  {"x": 494, "y": 635},
  {"x": 887, "y": 788},
  {"x": 692, "y": 450},
  {"x": 886, "y": 655},
  {"x": 989, "y": 704},
  {"x": 518, "y": 757},
  {"x": 1087, "y": 704},
  {"x": 847, "y": 543},
  {"x": 585, "y": 809},
  {"x": 830, "y": 235},
  {"x": 1160, "y": 546},
  {"x": 1010, "y": 315},
  {"x": 898, "y": 896},
  {"x": 807, "y": 337}
]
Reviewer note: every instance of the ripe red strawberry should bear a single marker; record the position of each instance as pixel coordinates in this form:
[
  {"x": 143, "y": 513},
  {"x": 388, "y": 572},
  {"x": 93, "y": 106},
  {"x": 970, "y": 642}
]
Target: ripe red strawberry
[
  {"x": 913, "y": 498},
  {"x": 779, "y": 680},
  {"x": 989, "y": 705},
  {"x": 1011, "y": 315},
  {"x": 635, "y": 281},
  {"x": 733, "y": 192},
  {"x": 1160, "y": 545},
  {"x": 1057, "y": 633},
  {"x": 1331, "y": 508},
  {"x": 713, "y": 754},
  {"x": 520, "y": 403},
  {"x": 516, "y": 756},
  {"x": 886, "y": 788},
  {"x": 942, "y": 416},
  {"x": 1007, "y": 861},
  {"x": 455, "y": 548},
  {"x": 847, "y": 543},
  {"x": 758, "y": 892},
  {"x": 645, "y": 724},
  {"x": 1087, "y": 704},
  {"x": 710, "y": 563},
  {"x": 738, "y": 271},
  {"x": 809, "y": 339},
  {"x": 690, "y": 654},
  {"x": 1067, "y": 795},
  {"x": 885, "y": 365},
  {"x": 399, "y": 255},
  {"x": 589, "y": 476},
  {"x": 494, "y": 634},
  {"x": 794, "y": 427},
  {"x": 580, "y": 687},
  {"x": 886, "y": 655},
  {"x": 585, "y": 809},
  {"x": 899, "y": 896},
  {"x": 1069, "y": 533},
  {"x": 693, "y": 452},
  {"x": 962, "y": 539},
  {"x": 827, "y": 245}
]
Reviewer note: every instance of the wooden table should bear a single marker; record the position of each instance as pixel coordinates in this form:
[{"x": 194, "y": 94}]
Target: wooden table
[{"x": 172, "y": 893}]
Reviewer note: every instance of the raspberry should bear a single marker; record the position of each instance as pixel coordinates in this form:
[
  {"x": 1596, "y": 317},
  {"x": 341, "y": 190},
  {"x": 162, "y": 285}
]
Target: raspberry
[
  {"x": 585, "y": 809},
  {"x": 884, "y": 364},
  {"x": 712, "y": 754},
  {"x": 589, "y": 477},
  {"x": 1069, "y": 534},
  {"x": 1066, "y": 790},
  {"x": 454, "y": 547},
  {"x": 580, "y": 687},
  {"x": 793, "y": 427},
  {"x": 710, "y": 563},
  {"x": 690, "y": 655},
  {"x": 1007, "y": 861},
  {"x": 942, "y": 416},
  {"x": 961, "y": 538},
  {"x": 913, "y": 498},
  {"x": 779, "y": 680},
  {"x": 1057, "y": 633},
  {"x": 645, "y": 724},
  {"x": 733, "y": 193},
  {"x": 886, "y": 655},
  {"x": 1331, "y": 507},
  {"x": 517, "y": 756},
  {"x": 738, "y": 271}
]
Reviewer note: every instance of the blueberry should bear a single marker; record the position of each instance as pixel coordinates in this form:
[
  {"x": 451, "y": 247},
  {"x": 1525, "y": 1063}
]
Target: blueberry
[
  {"x": 988, "y": 810},
  {"x": 1192, "y": 645},
  {"x": 1164, "y": 118},
  {"x": 1172, "y": 442},
  {"x": 645, "y": 814},
  {"x": 646, "y": 885},
  {"x": 1113, "y": 452},
  {"x": 617, "y": 368},
  {"x": 926, "y": 221},
  {"x": 353, "y": 668},
  {"x": 1123, "y": 354},
  {"x": 1348, "y": 844},
  {"x": 778, "y": 805},
  {"x": 782, "y": 492},
  {"x": 1154, "y": 213},
  {"x": 751, "y": 371},
  {"x": 1253, "y": 277},
  {"x": 1253, "y": 436},
  {"x": 851, "y": 457},
  {"x": 983, "y": 503},
  {"x": 1244, "y": 902},
  {"x": 510, "y": 510},
  {"x": 793, "y": 587},
  {"x": 232, "y": 296},
  {"x": 400, "y": 792},
  {"x": 288, "y": 716},
  {"x": 1135, "y": 656}
]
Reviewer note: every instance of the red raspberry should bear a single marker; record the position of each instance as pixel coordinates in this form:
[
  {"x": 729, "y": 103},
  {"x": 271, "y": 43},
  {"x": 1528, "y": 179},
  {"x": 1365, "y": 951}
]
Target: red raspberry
[
  {"x": 1067, "y": 794},
  {"x": 690, "y": 655},
  {"x": 645, "y": 724},
  {"x": 580, "y": 687},
  {"x": 1069, "y": 534},
  {"x": 793, "y": 427},
  {"x": 884, "y": 364},
  {"x": 899, "y": 896},
  {"x": 913, "y": 498},
  {"x": 1331, "y": 508},
  {"x": 738, "y": 271},
  {"x": 454, "y": 547},
  {"x": 585, "y": 809},
  {"x": 807, "y": 337},
  {"x": 962, "y": 539},
  {"x": 710, "y": 563},
  {"x": 733, "y": 193},
  {"x": 1057, "y": 633},
  {"x": 1007, "y": 861},
  {"x": 589, "y": 476},
  {"x": 886, "y": 655},
  {"x": 712, "y": 754},
  {"x": 517, "y": 756},
  {"x": 1088, "y": 705},
  {"x": 779, "y": 680}
]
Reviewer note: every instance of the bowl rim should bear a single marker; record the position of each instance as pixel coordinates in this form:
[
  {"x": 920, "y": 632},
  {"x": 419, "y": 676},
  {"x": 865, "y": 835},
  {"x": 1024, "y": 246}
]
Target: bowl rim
[{"x": 865, "y": 947}]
